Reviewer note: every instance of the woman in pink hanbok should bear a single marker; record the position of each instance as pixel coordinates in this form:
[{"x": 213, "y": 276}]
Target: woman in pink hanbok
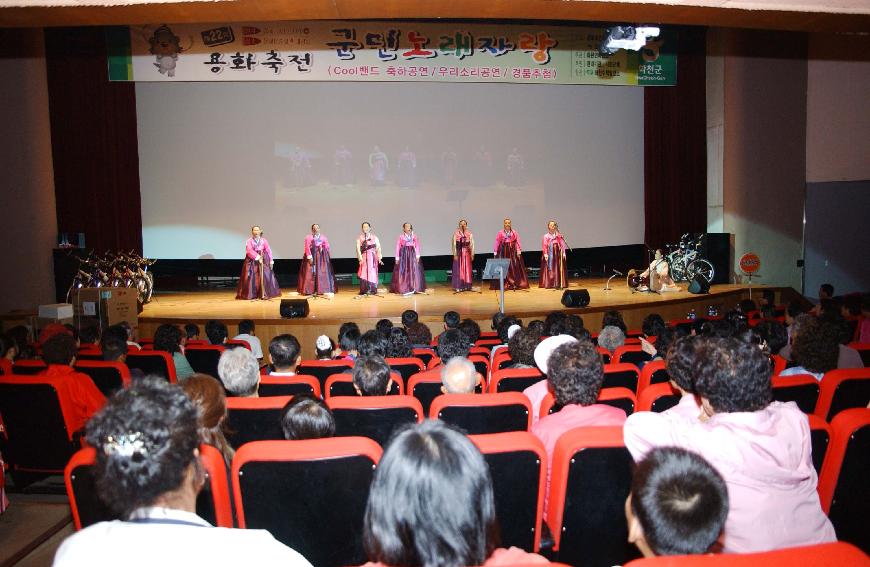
[
  {"x": 368, "y": 251},
  {"x": 316, "y": 276},
  {"x": 507, "y": 245},
  {"x": 408, "y": 274},
  {"x": 463, "y": 257},
  {"x": 258, "y": 280},
  {"x": 554, "y": 274}
]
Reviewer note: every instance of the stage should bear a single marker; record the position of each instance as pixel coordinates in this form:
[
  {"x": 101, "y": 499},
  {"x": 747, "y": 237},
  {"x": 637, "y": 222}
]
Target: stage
[{"x": 326, "y": 315}]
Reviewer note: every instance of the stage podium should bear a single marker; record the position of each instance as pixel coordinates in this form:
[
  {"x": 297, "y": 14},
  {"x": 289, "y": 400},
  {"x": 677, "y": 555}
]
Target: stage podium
[{"x": 497, "y": 268}]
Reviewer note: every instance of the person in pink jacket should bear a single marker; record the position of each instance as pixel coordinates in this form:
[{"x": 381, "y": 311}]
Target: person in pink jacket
[{"x": 761, "y": 448}]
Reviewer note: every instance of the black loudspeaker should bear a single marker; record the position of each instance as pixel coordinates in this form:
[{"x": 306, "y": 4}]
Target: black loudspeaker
[
  {"x": 717, "y": 251},
  {"x": 699, "y": 285},
  {"x": 294, "y": 308},
  {"x": 575, "y": 298}
]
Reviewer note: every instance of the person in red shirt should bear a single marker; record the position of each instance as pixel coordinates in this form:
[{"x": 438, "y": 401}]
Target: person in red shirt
[{"x": 78, "y": 396}]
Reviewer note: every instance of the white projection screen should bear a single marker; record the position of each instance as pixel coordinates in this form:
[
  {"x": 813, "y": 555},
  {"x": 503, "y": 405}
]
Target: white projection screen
[{"x": 216, "y": 158}]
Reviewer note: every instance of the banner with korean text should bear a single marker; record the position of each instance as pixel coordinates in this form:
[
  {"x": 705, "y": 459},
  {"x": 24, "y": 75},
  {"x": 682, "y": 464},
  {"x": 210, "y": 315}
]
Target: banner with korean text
[{"x": 384, "y": 51}]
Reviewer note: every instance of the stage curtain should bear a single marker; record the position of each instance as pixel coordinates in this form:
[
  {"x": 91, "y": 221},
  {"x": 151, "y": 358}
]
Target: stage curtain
[
  {"x": 675, "y": 147},
  {"x": 94, "y": 142}
]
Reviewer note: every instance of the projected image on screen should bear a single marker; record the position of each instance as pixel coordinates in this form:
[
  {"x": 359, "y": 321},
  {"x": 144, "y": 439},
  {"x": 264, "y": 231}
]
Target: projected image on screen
[{"x": 218, "y": 158}]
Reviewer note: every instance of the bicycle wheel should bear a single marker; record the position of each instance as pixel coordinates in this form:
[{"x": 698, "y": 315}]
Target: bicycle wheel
[
  {"x": 678, "y": 270},
  {"x": 700, "y": 267},
  {"x": 143, "y": 289}
]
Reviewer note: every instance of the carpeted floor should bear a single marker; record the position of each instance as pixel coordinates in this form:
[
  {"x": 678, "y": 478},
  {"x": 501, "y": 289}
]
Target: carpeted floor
[{"x": 32, "y": 528}]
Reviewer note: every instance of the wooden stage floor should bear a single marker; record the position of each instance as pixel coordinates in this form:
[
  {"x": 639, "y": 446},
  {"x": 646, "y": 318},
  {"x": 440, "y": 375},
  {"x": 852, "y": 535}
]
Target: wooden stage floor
[{"x": 326, "y": 316}]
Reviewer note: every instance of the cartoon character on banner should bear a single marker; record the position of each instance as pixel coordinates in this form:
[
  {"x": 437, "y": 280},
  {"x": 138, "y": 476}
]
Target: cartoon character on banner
[{"x": 166, "y": 47}]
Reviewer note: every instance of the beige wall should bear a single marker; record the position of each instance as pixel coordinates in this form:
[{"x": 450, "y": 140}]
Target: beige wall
[
  {"x": 764, "y": 85},
  {"x": 28, "y": 222},
  {"x": 838, "y": 120}
]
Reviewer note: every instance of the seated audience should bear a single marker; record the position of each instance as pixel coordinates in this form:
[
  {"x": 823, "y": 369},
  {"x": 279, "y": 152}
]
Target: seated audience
[
  {"x": 496, "y": 320},
  {"x": 814, "y": 348},
  {"x": 652, "y": 325},
  {"x": 574, "y": 326},
  {"x": 131, "y": 340},
  {"x": 21, "y": 335},
  {"x": 373, "y": 343},
  {"x": 400, "y": 345},
  {"x": 371, "y": 376},
  {"x": 451, "y": 320},
  {"x": 680, "y": 365},
  {"x": 419, "y": 335},
  {"x": 677, "y": 505},
  {"x": 208, "y": 396},
  {"x": 114, "y": 349},
  {"x": 348, "y": 337},
  {"x": 53, "y": 329},
  {"x": 556, "y": 323},
  {"x": 847, "y": 357},
  {"x": 8, "y": 348},
  {"x": 774, "y": 335},
  {"x": 539, "y": 326},
  {"x": 89, "y": 335},
  {"x": 522, "y": 348},
  {"x": 575, "y": 374},
  {"x": 664, "y": 340},
  {"x": 216, "y": 332},
  {"x": 79, "y": 398},
  {"x": 459, "y": 376},
  {"x": 409, "y": 317},
  {"x": 826, "y": 291},
  {"x": 148, "y": 469},
  {"x": 761, "y": 448},
  {"x": 611, "y": 338},
  {"x": 247, "y": 331},
  {"x": 471, "y": 330},
  {"x": 192, "y": 332},
  {"x": 504, "y": 328},
  {"x": 384, "y": 326},
  {"x": 239, "y": 372},
  {"x": 746, "y": 306},
  {"x": 539, "y": 390},
  {"x": 306, "y": 417},
  {"x": 167, "y": 338},
  {"x": 324, "y": 348},
  {"x": 613, "y": 318},
  {"x": 431, "y": 503},
  {"x": 285, "y": 354}
]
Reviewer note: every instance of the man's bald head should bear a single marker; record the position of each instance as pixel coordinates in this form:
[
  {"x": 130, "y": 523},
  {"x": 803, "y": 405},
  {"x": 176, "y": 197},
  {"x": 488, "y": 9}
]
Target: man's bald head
[{"x": 459, "y": 376}]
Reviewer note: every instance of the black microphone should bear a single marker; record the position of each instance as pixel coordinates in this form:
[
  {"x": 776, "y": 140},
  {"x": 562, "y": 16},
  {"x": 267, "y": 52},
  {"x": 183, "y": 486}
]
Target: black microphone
[{"x": 617, "y": 272}]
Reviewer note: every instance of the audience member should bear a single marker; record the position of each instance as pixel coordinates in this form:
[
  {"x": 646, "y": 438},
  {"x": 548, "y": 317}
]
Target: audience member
[
  {"x": 167, "y": 338},
  {"x": 611, "y": 338},
  {"x": 384, "y": 326},
  {"x": 677, "y": 505},
  {"x": 539, "y": 390},
  {"x": 505, "y": 326},
  {"x": 497, "y": 318},
  {"x": 664, "y": 340},
  {"x": 451, "y": 320},
  {"x": 431, "y": 503},
  {"x": 371, "y": 376},
  {"x": 239, "y": 372},
  {"x": 53, "y": 329},
  {"x": 148, "y": 469},
  {"x": 762, "y": 448},
  {"x": 539, "y": 326},
  {"x": 459, "y": 376},
  {"x": 285, "y": 354},
  {"x": 347, "y": 342},
  {"x": 324, "y": 348},
  {"x": 409, "y": 317},
  {"x": 556, "y": 323},
  {"x": 208, "y": 396},
  {"x": 21, "y": 335},
  {"x": 216, "y": 332},
  {"x": 373, "y": 343},
  {"x": 306, "y": 417},
  {"x": 522, "y": 348},
  {"x": 652, "y": 325},
  {"x": 192, "y": 331},
  {"x": 574, "y": 325},
  {"x": 680, "y": 363},
  {"x": 79, "y": 398},
  {"x": 471, "y": 330},
  {"x": 131, "y": 334},
  {"x": 247, "y": 333},
  {"x": 400, "y": 346},
  {"x": 814, "y": 348},
  {"x": 774, "y": 335},
  {"x": 575, "y": 374},
  {"x": 8, "y": 348},
  {"x": 419, "y": 335},
  {"x": 89, "y": 335},
  {"x": 613, "y": 318},
  {"x": 826, "y": 291},
  {"x": 114, "y": 349}
]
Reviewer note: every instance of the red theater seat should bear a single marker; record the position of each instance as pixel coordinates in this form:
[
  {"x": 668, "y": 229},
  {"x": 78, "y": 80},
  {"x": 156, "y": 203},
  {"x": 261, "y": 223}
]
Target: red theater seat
[
  {"x": 823, "y": 555},
  {"x": 802, "y": 389},
  {"x": 289, "y": 385},
  {"x": 843, "y": 389},
  {"x": 108, "y": 376},
  {"x": 254, "y": 419},
  {"x": 153, "y": 362},
  {"x": 621, "y": 398},
  {"x": 621, "y": 374},
  {"x": 342, "y": 385},
  {"x": 514, "y": 379},
  {"x": 375, "y": 417},
  {"x": 477, "y": 414},
  {"x": 653, "y": 372},
  {"x": 658, "y": 398}
]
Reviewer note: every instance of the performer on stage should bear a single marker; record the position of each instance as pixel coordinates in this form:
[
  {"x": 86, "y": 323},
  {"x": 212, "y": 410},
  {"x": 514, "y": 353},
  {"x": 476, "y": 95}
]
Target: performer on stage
[
  {"x": 463, "y": 256},
  {"x": 316, "y": 276},
  {"x": 378, "y": 166},
  {"x": 408, "y": 274},
  {"x": 507, "y": 245},
  {"x": 368, "y": 251},
  {"x": 553, "y": 261},
  {"x": 660, "y": 279},
  {"x": 257, "y": 280}
]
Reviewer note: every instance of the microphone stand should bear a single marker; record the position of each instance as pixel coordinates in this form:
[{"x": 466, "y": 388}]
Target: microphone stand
[{"x": 607, "y": 285}]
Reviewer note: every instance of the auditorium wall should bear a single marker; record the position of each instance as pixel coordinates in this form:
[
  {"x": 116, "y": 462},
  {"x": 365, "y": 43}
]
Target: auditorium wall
[{"x": 28, "y": 223}]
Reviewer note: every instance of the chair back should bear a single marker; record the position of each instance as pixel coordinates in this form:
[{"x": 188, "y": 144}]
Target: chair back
[
  {"x": 843, "y": 389},
  {"x": 621, "y": 398},
  {"x": 204, "y": 358},
  {"x": 406, "y": 367},
  {"x": 653, "y": 372},
  {"x": 426, "y": 355},
  {"x": 254, "y": 419},
  {"x": 288, "y": 386},
  {"x": 29, "y": 367},
  {"x": 375, "y": 417},
  {"x": 658, "y": 398},
  {"x": 108, "y": 376},
  {"x": 513, "y": 379},
  {"x": 342, "y": 385},
  {"x": 323, "y": 369},
  {"x": 477, "y": 414},
  {"x": 154, "y": 362},
  {"x": 802, "y": 389},
  {"x": 310, "y": 495},
  {"x": 622, "y": 375},
  {"x": 631, "y": 354}
]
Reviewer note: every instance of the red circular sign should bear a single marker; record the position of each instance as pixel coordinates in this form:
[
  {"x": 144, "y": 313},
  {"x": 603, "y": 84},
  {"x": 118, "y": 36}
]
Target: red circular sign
[{"x": 750, "y": 263}]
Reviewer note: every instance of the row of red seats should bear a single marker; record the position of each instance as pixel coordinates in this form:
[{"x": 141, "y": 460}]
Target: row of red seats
[{"x": 590, "y": 479}]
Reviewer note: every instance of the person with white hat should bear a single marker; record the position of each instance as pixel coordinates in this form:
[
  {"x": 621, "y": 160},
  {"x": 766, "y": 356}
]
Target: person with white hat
[{"x": 538, "y": 391}]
